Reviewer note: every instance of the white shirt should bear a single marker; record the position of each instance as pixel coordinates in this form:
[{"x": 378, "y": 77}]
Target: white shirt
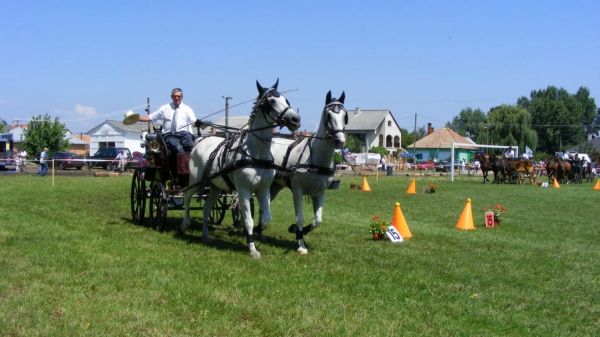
[{"x": 185, "y": 115}]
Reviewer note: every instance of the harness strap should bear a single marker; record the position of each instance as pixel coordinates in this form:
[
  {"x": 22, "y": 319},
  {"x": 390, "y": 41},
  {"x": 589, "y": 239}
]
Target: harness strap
[{"x": 321, "y": 170}]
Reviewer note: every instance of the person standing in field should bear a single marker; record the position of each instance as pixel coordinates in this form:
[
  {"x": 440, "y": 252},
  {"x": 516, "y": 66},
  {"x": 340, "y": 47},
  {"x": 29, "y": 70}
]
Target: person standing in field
[{"x": 44, "y": 162}]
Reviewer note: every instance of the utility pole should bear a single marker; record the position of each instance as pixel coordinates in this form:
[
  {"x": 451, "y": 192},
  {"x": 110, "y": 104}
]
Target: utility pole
[
  {"x": 415, "y": 142},
  {"x": 148, "y": 110},
  {"x": 227, "y": 98}
]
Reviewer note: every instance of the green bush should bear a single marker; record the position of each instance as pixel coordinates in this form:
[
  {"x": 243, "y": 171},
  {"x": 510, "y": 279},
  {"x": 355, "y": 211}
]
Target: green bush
[{"x": 379, "y": 149}]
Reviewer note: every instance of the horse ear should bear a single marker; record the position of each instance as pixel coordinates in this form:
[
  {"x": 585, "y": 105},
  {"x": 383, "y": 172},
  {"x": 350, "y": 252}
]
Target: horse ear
[
  {"x": 261, "y": 90},
  {"x": 328, "y": 97},
  {"x": 343, "y": 97},
  {"x": 276, "y": 84}
]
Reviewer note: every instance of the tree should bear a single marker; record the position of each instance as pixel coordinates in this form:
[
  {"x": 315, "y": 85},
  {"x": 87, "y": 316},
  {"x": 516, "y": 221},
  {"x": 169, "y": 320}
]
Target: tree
[
  {"x": 596, "y": 122},
  {"x": 42, "y": 132},
  {"x": 2, "y": 125},
  {"x": 561, "y": 120},
  {"x": 407, "y": 138},
  {"x": 469, "y": 123},
  {"x": 509, "y": 125},
  {"x": 411, "y": 137},
  {"x": 588, "y": 110},
  {"x": 353, "y": 144}
]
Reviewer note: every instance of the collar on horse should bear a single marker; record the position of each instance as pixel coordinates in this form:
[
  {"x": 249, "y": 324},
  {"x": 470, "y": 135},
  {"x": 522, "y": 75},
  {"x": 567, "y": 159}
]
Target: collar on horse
[{"x": 310, "y": 167}]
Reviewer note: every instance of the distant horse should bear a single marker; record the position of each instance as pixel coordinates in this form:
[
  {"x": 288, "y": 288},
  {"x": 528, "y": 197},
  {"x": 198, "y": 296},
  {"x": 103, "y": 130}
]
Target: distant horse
[
  {"x": 242, "y": 162},
  {"x": 552, "y": 167},
  {"x": 559, "y": 169},
  {"x": 485, "y": 163},
  {"x": 306, "y": 165}
]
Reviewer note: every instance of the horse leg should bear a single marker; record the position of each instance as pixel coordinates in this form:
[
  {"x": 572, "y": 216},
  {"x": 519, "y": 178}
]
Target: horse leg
[
  {"x": 208, "y": 205},
  {"x": 246, "y": 215},
  {"x": 299, "y": 226},
  {"x": 274, "y": 191},
  {"x": 187, "y": 198}
]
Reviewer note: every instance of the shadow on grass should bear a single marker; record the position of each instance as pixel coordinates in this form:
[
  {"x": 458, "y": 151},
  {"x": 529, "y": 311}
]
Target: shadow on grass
[{"x": 219, "y": 236}]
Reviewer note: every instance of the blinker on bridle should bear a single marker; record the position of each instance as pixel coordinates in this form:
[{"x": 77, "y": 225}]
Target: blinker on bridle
[{"x": 272, "y": 92}]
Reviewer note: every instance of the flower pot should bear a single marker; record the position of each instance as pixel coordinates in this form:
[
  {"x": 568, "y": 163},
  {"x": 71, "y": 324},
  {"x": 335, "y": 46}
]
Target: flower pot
[{"x": 377, "y": 236}]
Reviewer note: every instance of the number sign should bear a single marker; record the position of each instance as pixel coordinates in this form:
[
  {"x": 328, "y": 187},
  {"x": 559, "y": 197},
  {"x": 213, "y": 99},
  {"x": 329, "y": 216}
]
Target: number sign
[{"x": 393, "y": 234}]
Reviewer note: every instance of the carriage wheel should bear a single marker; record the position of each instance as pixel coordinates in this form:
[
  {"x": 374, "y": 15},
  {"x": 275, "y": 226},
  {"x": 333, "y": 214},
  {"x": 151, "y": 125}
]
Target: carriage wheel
[
  {"x": 158, "y": 206},
  {"x": 217, "y": 213},
  {"x": 138, "y": 197},
  {"x": 235, "y": 214}
]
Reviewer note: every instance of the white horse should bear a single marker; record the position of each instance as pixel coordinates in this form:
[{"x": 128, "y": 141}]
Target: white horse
[
  {"x": 242, "y": 162},
  {"x": 306, "y": 166}
]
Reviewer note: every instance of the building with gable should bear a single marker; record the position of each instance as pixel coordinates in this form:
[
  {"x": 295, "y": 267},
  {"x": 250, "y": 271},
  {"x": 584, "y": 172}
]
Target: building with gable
[
  {"x": 112, "y": 134},
  {"x": 438, "y": 145},
  {"x": 374, "y": 128}
]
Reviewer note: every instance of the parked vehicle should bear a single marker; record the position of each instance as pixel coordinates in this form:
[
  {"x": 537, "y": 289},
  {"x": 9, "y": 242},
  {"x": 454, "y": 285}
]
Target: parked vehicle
[
  {"x": 104, "y": 157},
  {"x": 65, "y": 160},
  {"x": 6, "y": 159},
  {"x": 425, "y": 165}
]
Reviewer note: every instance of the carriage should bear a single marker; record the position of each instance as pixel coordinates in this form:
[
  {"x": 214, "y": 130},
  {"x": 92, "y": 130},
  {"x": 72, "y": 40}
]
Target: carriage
[{"x": 158, "y": 185}]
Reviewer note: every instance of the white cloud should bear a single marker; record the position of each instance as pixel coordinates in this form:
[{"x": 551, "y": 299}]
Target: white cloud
[{"x": 85, "y": 111}]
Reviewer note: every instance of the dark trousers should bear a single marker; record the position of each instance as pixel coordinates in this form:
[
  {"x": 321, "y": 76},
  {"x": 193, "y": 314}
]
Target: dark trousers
[
  {"x": 43, "y": 169},
  {"x": 179, "y": 142}
]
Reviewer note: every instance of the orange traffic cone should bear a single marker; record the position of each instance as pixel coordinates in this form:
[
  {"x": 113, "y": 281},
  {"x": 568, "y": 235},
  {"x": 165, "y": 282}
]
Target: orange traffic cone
[
  {"x": 465, "y": 222},
  {"x": 597, "y": 185},
  {"x": 365, "y": 185},
  {"x": 399, "y": 222},
  {"x": 555, "y": 183},
  {"x": 412, "y": 187}
]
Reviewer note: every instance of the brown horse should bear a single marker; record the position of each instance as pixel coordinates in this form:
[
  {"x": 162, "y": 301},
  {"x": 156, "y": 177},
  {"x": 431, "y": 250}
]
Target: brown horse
[
  {"x": 485, "y": 163},
  {"x": 559, "y": 169}
]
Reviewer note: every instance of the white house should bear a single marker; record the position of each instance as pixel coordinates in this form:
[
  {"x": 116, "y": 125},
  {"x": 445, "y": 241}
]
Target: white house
[
  {"x": 116, "y": 134},
  {"x": 374, "y": 128}
]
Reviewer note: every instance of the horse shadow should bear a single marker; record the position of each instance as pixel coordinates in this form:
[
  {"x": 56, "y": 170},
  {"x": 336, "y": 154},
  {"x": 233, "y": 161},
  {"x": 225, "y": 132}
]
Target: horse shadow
[{"x": 232, "y": 237}]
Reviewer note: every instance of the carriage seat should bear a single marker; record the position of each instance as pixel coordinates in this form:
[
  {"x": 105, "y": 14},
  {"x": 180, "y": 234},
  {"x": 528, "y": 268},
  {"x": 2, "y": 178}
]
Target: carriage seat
[{"x": 183, "y": 160}]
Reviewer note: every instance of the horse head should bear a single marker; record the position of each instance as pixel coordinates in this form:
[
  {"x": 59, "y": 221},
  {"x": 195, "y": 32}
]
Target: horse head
[
  {"x": 276, "y": 107},
  {"x": 336, "y": 118}
]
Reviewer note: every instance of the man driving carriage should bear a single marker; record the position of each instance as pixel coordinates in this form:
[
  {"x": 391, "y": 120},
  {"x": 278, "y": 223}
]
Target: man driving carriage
[{"x": 177, "y": 119}]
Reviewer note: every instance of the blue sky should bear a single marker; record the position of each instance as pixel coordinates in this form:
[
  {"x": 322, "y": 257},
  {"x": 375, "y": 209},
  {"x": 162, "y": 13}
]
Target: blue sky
[{"x": 87, "y": 61}]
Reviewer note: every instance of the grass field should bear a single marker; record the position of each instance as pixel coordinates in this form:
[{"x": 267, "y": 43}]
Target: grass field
[{"x": 72, "y": 264}]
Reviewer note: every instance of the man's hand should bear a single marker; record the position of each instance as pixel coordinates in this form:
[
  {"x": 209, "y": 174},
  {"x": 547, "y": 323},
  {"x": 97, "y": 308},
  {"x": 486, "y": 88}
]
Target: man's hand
[{"x": 202, "y": 124}]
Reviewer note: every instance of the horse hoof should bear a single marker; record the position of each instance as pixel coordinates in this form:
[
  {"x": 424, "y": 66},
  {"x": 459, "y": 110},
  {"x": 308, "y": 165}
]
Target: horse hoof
[
  {"x": 255, "y": 254},
  {"x": 183, "y": 226},
  {"x": 302, "y": 251}
]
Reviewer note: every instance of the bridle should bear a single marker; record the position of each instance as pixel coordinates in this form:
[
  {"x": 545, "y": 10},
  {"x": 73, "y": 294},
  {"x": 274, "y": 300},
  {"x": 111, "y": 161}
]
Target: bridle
[
  {"x": 337, "y": 108},
  {"x": 272, "y": 117}
]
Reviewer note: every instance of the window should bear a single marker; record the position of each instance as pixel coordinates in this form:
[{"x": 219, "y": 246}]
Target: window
[
  {"x": 381, "y": 140},
  {"x": 396, "y": 141},
  {"x": 389, "y": 123},
  {"x": 388, "y": 141},
  {"x": 102, "y": 145}
]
